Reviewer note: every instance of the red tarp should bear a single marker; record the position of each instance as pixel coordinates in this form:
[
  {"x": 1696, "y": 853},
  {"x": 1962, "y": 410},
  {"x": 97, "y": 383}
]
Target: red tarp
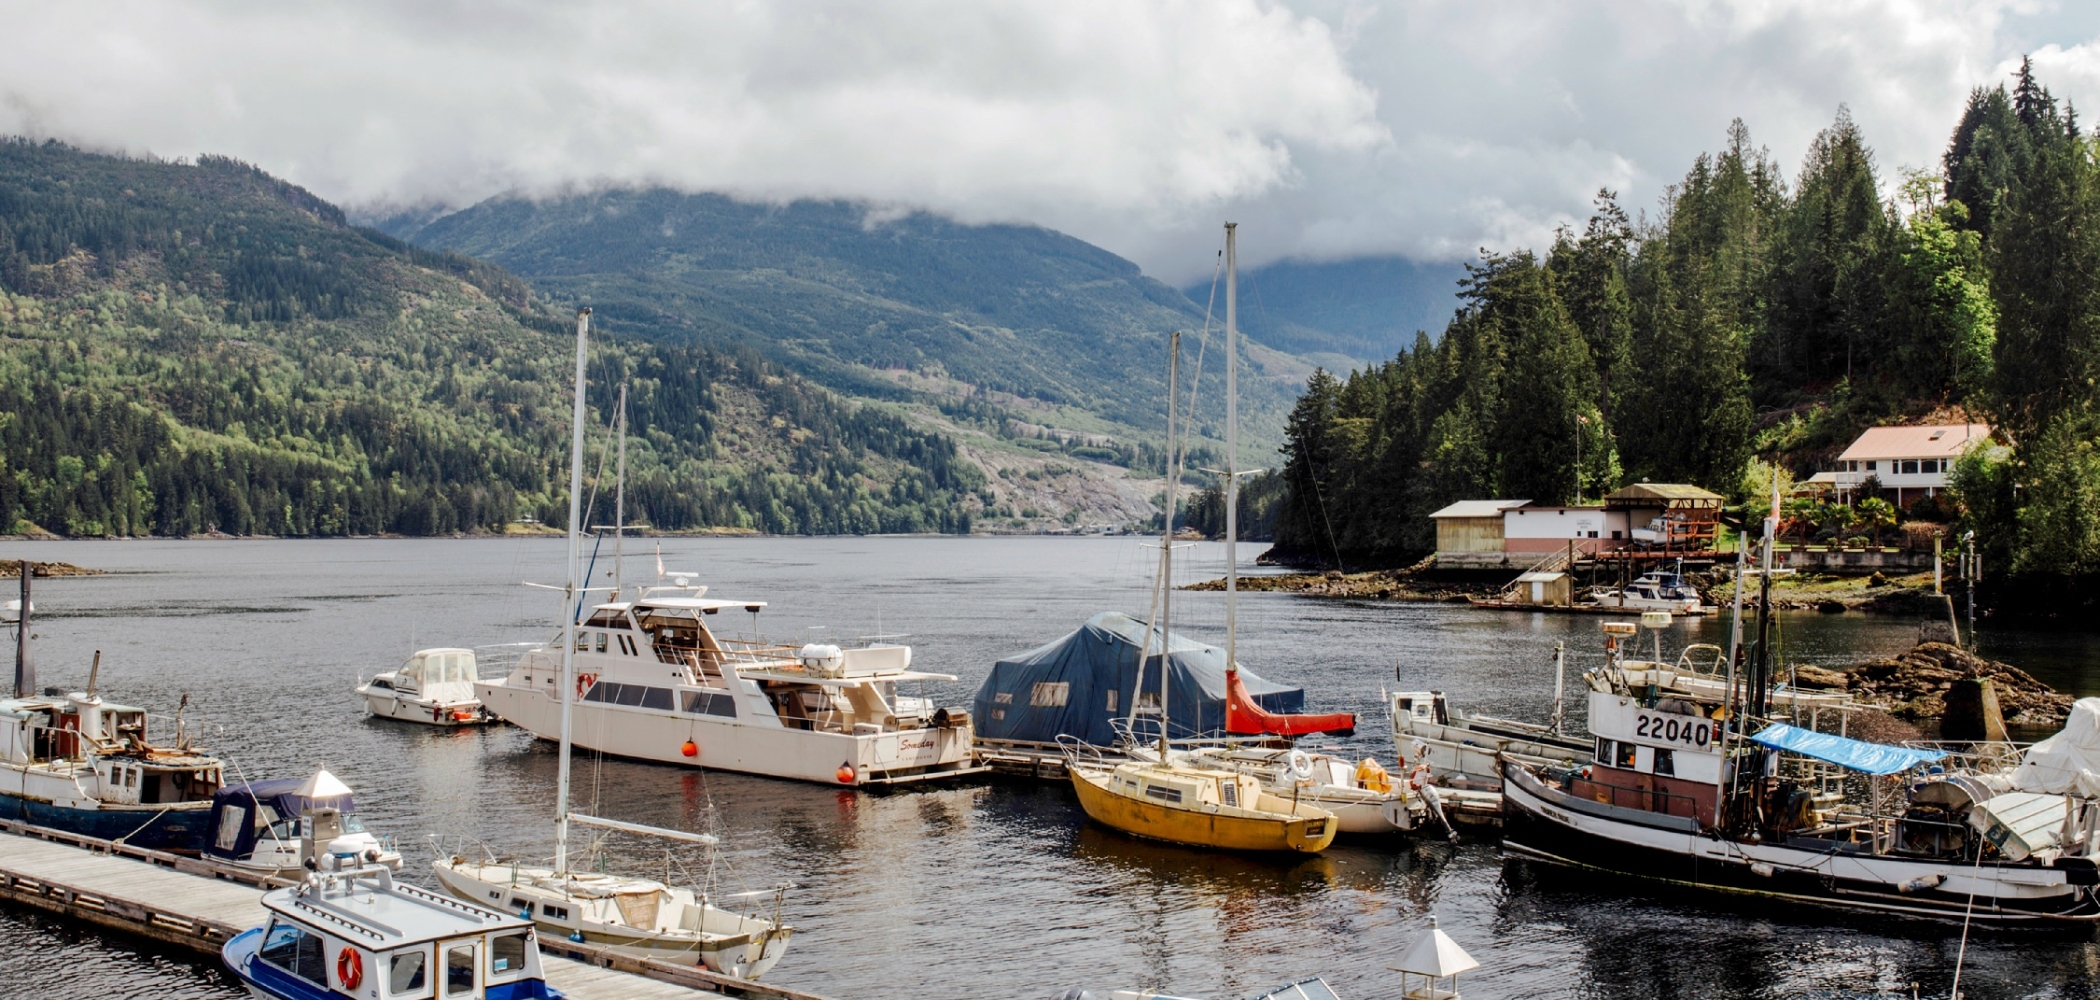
[{"x": 1245, "y": 718}]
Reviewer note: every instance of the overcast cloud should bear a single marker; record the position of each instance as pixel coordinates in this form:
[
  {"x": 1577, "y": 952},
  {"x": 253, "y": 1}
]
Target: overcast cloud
[{"x": 1327, "y": 127}]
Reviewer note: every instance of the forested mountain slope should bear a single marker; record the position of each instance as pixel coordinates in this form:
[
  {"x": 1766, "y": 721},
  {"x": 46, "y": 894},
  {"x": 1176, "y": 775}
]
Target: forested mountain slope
[
  {"x": 904, "y": 307},
  {"x": 197, "y": 347}
]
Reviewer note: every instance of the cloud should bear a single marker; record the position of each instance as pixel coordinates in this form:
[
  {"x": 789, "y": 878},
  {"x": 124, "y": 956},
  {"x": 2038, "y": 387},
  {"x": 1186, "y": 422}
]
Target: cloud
[{"x": 1326, "y": 127}]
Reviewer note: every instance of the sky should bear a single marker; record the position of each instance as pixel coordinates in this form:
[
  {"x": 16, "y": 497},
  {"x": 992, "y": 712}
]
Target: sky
[{"x": 1326, "y": 128}]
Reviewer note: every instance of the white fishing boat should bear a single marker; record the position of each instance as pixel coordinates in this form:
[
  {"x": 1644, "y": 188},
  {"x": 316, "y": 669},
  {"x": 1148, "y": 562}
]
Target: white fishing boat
[
  {"x": 435, "y": 687},
  {"x": 1443, "y": 745},
  {"x": 277, "y": 825},
  {"x": 355, "y": 932},
  {"x": 637, "y": 916}
]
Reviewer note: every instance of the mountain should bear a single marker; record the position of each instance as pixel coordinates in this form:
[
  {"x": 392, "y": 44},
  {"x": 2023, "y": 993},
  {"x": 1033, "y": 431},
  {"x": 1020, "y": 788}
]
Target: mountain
[
  {"x": 195, "y": 347},
  {"x": 1346, "y": 312},
  {"x": 1031, "y": 326}
]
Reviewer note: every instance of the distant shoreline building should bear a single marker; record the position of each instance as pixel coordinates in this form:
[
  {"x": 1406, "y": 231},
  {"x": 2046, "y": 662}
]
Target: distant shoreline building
[
  {"x": 1909, "y": 461},
  {"x": 1667, "y": 518}
]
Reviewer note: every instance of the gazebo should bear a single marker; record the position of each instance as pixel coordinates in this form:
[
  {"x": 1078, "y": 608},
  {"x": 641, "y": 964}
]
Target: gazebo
[{"x": 1438, "y": 960}]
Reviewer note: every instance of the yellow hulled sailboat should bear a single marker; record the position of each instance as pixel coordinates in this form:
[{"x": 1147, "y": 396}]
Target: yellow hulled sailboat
[{"x": 1174, "y": 798}]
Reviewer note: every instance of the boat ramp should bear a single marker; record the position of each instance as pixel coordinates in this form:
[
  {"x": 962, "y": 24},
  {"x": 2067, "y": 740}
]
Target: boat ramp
[{"x": 200, "y": 905}]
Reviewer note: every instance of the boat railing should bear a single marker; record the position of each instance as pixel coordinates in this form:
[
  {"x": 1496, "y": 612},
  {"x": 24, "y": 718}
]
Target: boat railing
[
  {"x": 1985, "y": 758},
  {"x": 751, "y": 652}
]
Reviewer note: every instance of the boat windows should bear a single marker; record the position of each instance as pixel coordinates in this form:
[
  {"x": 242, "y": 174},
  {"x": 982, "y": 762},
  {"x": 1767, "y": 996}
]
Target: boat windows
[
  {"x": 230, "y": 823},
  {"x": 459, "y": 971},
  {"x": 407, "y": 972},
  {"x": 1665, "y": 763},
  {"x": 382, "y": 684},
  {"x": 1172, "y": 795},
  {"x": 633, "y": 696},
  {"x": 1604, "y": 750},
  {"x": 705, "y": 703},
  {"x": 553, "y": 912},
  {"x": 601, "y": 642},
  {"x": 608, "y": 618},
  {"x": 1049, "y": 694},
  {"x": 1627, "y": 755},
  {"x": 507, "y": 953},
  {"x": 1230, "y": 791},
  {"x": 291, "y": 948},
  {"x": 1111, "y": 700}
]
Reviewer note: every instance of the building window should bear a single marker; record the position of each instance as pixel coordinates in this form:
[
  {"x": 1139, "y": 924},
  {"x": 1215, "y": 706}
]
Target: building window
[
  {"x": 1872, "y": 465},
  {"x": 1910, "y": 468}
]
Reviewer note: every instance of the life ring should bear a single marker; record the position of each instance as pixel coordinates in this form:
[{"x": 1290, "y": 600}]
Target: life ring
[
  {"x": 1300, "y": 766},
  {"x": 350, "y": 968},
  {"x": 584, "y": 682},
  {"x": 1419, "y": 777}
]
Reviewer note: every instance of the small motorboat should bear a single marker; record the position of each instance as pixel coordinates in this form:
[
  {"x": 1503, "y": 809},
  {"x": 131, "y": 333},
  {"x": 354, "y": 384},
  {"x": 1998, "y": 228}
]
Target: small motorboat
[
  {"x": 356, "y": 932},
  {"x": 277, "y": 825},
  {"x": 435, "y": 687},
  {"x": 1659, "y": 590}
]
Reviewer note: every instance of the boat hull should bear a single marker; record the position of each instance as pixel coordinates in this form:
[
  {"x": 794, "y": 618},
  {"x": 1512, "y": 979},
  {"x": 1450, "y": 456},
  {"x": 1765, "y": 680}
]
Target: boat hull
[
  {"x": 1545, "y": 824},
  {"x": 177, "y": 829},
  {"x": 383, "y": 705},
  {"x": 728, "y": 745},
  {"x": 1199, "y": 828}
]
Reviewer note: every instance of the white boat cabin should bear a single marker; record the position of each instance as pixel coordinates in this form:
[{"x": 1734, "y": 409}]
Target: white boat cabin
[{"x": 105, "y": 748}]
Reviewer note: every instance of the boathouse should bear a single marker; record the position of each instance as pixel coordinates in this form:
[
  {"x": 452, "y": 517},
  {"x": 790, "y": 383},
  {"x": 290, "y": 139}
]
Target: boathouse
[
  {"x": 1533, "y": 528},
  {"x": 1469, "y": 533},
  {"x": 1669, "y": 518}
]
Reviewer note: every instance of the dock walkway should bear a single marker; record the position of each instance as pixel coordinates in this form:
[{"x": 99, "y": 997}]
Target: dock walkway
[{"x": 197, "y": 905}]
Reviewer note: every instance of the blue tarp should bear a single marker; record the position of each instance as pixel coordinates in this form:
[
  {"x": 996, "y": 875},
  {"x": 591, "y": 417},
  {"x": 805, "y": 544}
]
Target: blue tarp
[
  {"x": 1078, "y": 684},
  {"x": 1859, "y": 755}
]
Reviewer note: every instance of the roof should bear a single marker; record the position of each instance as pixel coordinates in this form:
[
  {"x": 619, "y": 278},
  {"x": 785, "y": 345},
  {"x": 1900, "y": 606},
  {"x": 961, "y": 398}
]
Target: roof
[
  {"x": 705, "y": 605},
  {"x": 1858, "y": 755},
  {"x": 1435, "y": 954},
  {"x": 1540, "y": 577},
  {"x": 1671, "y": 492},
  {"x": 1923, "y": 441},
  {"x": 377, "y": 913},
  {"x": 1479, "y": 508}
]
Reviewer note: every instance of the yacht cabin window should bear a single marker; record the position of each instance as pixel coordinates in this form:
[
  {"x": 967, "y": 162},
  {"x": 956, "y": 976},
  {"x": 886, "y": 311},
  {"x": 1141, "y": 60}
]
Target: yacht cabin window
[
  {"x": 507, "y": 954},
  {"x": 291, "y": 948},
  {"x": 408, "y": 974},
  {"x": 459, "y": 971}
]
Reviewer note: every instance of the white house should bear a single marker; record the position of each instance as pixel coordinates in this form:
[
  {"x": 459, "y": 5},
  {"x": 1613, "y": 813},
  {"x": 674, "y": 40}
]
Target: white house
[{"x": 1912, "y": 461}]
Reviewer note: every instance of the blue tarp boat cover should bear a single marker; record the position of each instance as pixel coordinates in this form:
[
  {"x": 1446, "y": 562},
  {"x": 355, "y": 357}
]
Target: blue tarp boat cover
[
  {"x": 1859, "y": 755},
  {"x": 240, "y": 814},
  {"x": 1078, "y": 684}
]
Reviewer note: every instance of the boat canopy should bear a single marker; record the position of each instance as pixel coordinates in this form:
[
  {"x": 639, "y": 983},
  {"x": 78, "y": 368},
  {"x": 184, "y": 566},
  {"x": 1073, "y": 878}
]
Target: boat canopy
[
  {"x": 1079, "y": 684},
  {"x": 2069, "y": 762},
  {"x": 1858, "y": 755},
  {"x": 241, "y": 813}
]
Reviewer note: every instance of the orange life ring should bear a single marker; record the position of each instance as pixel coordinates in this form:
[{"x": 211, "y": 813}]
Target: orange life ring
[
  {"x": 584, "y": 682},
  {"x": 350, "y": 968},
  {"x": 1419, "y": 777}
]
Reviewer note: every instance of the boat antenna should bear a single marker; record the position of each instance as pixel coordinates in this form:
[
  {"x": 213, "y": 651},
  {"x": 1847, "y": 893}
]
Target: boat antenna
[
  {"x": 1232, "y": 481},
  {"x": 1166, "y": 543},
  {"x": 620, "y": 498},
  {"x": 568, "y": 604}
]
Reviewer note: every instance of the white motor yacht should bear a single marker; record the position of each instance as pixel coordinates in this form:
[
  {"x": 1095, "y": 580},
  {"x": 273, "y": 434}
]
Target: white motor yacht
[
  {"x": 435, "y": 687},
  {"x": 654, "y": 682},
  {"x": 1659, "y": 590}
]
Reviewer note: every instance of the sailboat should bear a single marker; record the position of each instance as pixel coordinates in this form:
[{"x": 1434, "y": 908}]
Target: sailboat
[
  {"x": 637, "y": 916},
  {"x": 1173, "y": 796}
]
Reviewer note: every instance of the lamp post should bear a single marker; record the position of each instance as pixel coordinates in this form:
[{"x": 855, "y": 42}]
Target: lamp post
[{"x": 1581, "y": 421}]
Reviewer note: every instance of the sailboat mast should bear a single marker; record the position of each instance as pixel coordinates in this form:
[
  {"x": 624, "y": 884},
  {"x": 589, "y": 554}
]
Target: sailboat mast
[
  {"x": 620, "y": 500},
  {"x": 1232, "y": 454},
  {"x": 571, "y": 591},
  {"x": 1761, "y": 666},
  {"x": 1166, "y": 540}
]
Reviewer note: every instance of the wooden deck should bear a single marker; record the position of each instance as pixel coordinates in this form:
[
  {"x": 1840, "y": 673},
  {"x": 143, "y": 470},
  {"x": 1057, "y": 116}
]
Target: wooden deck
[{"x": 198, "y": 905}]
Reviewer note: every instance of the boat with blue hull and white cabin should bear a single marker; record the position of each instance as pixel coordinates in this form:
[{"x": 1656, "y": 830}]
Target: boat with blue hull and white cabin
[
  {"x": 77, "y": 763},
  {"x": 358, "y": 933}
]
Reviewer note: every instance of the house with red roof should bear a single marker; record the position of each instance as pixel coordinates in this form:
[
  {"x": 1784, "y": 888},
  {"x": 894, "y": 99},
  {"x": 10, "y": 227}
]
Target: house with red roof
[{"x": 1910, "y": 461}]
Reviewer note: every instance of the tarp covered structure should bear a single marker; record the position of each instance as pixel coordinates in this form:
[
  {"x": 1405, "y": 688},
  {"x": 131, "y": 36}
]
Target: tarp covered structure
[
  {"x": 2069, "y": 762},
  {"x": 1858, "y": 755},
  {"x": 1077, "y": 685},
  {"x": 243, "y": 814}
]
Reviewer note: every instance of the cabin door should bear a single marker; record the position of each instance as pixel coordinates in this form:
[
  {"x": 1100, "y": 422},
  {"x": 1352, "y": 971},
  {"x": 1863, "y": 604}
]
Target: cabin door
[{"x": 461, "y": 961}]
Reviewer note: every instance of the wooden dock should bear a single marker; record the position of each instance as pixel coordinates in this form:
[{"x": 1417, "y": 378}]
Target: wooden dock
[{"x": 200, "y": 905}]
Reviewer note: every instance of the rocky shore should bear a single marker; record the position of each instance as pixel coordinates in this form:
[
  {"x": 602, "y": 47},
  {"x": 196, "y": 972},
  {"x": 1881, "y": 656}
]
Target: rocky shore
[
  {"x": 1914, "y": 684},
  {"x": 11, "y": 569},
  {"x": 1902, "y": 595}
]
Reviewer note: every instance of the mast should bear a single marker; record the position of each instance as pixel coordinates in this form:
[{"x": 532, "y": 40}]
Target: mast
[
  {"x": 1761, "y": 668},
  {"x": 1166, "y": 542},
  {"x": 620, "y": 499},
  {"x": 572, "y": 590},
  {"x": 25, "y": 666},
  {"x": 1232, "y": 479}
]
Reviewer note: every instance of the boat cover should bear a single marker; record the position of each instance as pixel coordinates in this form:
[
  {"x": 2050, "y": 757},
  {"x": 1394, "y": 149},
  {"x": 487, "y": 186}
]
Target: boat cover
[
  {"x": 234, "y": 829},
  {"x": 2069, "y": 762},
  {"x": 2019, "y": 824},
  {"x": 1858, "y": 755},
  {"x": 1077, "y": 685}
]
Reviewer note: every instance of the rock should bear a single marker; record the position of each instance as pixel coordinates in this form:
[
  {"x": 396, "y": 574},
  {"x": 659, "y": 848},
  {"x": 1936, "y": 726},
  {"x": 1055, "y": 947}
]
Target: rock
[
  {"x": 1875, "y": 579},
  {"x": 1810, "y": 676},
  {"x": 1831, "y": 607},
  {"x": 12, "y": 568},
  {"x": 1911, "y": 685}
]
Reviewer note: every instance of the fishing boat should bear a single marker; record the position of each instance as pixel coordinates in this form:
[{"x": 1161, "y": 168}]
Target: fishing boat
[
  {"x": 277, "y": 825},
  {"x": 1466, "y": 751},
  {"x": 1173, "y": 795},
  {"x": 354, "y": 931},
  {"x": 434, "y": 687},
  {"x": 1729, "y": 797},
  {"x": 77, "y": 763},
  {"x": 636, "y": 916}
]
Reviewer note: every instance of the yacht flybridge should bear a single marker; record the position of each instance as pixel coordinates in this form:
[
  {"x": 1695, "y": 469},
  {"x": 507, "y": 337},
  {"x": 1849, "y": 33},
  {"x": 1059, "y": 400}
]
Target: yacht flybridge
[{"x": 654, "y": 682}]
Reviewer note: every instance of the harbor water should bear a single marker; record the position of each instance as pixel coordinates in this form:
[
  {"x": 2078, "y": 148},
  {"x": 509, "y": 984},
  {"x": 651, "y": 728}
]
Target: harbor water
[{"x": 983, "y": 890}]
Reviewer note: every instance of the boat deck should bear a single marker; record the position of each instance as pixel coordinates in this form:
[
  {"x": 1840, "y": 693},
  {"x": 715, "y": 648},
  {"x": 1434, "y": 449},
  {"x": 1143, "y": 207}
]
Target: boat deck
[{"x": 199, "y": 905}]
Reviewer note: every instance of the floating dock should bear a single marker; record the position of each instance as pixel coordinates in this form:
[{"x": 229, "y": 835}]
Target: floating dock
[{"x": 196, "y": 904}]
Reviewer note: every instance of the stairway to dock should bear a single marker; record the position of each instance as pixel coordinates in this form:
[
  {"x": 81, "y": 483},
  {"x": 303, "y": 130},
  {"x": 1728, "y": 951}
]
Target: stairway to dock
[{"x": 199, "y": 905}]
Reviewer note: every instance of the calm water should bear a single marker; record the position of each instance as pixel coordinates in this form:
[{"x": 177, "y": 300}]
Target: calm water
[{"x": 993, "y": 891}]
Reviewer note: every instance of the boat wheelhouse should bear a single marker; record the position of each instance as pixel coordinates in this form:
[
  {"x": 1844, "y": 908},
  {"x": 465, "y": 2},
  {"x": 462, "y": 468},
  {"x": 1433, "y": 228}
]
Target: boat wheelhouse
[
  {"x": 279, "y": 824},
  {"x": 359, "y": 933},
  {"x": 434, "y": 687},
  {"x": 655, "y": 682},
  {"x": 77, "y": 763}
]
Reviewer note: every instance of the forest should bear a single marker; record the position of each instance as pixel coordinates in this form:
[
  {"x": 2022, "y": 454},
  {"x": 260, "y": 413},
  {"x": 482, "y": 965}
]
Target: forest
[
  {"x": 191, "y": 348},
  {"x": 1752, "y": 326}
]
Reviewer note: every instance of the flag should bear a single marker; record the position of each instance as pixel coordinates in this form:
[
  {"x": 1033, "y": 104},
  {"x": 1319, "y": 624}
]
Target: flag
[{"x": 659, "y": 562}]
